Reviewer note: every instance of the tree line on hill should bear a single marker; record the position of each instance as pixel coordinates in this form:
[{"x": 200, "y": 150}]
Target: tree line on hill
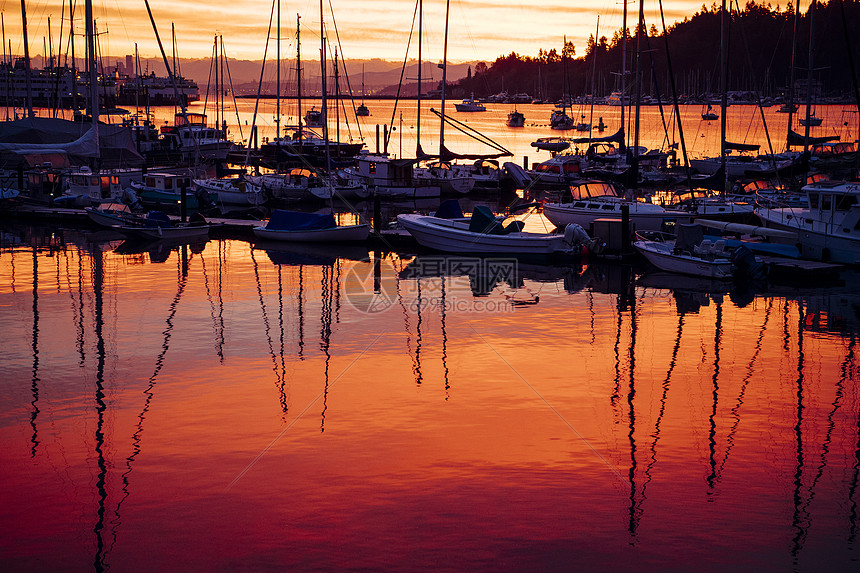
[{"x": 760, "y": 46}]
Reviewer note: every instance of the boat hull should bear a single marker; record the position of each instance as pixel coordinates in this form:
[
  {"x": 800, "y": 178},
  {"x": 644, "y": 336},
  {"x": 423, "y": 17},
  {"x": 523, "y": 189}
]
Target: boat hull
[
  {"x": 661, "y": 255},
  {"x": 817, "y": 240},
  {"x": 561, "y": 215},
  {"x": 454, "y": 237}
]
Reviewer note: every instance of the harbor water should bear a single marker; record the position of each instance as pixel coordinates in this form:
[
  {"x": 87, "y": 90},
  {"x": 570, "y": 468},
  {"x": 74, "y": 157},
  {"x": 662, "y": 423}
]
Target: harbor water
[{"x": 236, "y": 406}]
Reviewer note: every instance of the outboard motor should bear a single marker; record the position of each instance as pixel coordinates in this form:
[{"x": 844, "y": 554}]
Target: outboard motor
[
  {"x": 745, "y": 262},
  {"x": 130, "y": 198},
  {"x": 574, "y": 235}
]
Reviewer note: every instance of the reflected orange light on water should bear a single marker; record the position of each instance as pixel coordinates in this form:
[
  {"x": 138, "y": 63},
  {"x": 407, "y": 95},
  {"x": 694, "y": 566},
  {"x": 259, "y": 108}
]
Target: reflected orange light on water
[{"x": 242, "y": 405}]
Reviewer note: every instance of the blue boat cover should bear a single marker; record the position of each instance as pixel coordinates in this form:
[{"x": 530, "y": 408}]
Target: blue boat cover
[
  {"x": 282, "y": 220},
  {"x": 449, "y": 209},
  {"x": 157, "y": 219},
  {"x": 483, "y": 221}
]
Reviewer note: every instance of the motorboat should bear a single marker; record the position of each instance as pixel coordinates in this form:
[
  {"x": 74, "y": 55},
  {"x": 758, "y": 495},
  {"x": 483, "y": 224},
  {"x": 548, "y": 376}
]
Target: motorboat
[
  {"x": 300, "y": 184},
  {"x": 166, "y": 189},
  {"x": 559, "y": 171},
  {"x": 470, "y": 105},
  {"x": 113, "y": 214},
  {"x": 516, "y": 119},
  {"x": 231, "y": 190},
  {"x": 295, "y": 226},
  {"x": 191, "y": 134},
  {"x": 392, "y": 178},
  {"x": 313, "y": 117},
  {"x": 560, "y": 121},
  {"x": 551, "y": 144},
  {"x": 591, "y": 200},
  {"x": 705, "y": 259},
  {"x": 484, "y": 233},
  {"x": 156, "y": 225},
  {"x": 828, "y": 227}
]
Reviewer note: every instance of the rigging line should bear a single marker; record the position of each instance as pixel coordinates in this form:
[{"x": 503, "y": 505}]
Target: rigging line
[
  {"x": 550, "y": 406},
  {"x": 345, "y": 71},
  {"x": 299, "y": 417},
  {"x": 403, "y": 74},
  {"x": 233, "y": 93},
  {"x": 260, "y": 87},
  {"x": 476, "y": 135}
]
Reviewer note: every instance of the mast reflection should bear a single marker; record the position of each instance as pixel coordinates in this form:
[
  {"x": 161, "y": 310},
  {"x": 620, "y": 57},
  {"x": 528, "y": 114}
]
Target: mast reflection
[
  {"x": 328, "y": 288},
  {"x": 35, "y": 381},
  {"x": 149, "y": 391},
  {"x": 278, "y": 369},
  {"x": 101, "y": 407}
]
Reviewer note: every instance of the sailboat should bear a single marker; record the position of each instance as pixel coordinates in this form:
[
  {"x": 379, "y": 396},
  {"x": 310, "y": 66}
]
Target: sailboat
[
  {"x": 558, "y": 119},
  {"x": 710, "y": 114},
  {"x": 311, "y": 227},
  {"x": 362, "y": 111}
]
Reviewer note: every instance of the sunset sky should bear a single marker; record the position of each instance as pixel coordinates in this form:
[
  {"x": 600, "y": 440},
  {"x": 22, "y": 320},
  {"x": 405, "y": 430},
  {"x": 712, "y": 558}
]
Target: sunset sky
[{"x": 479, "y": 29}]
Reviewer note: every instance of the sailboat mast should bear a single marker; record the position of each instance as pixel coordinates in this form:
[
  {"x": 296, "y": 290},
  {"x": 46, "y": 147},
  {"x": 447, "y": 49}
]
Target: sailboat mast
[
  {"x": 324, "y": 110},
  {"x": 623, "y": 74},
  {"x": 593, "y": 73},
  {"x": 640, "y": 29},
  {"x": 444, "y": 82},
  {"x": 791, "y": 75},
  {"x": 27, "y": 73},
  {"x": 809, "y": 75},
  {"x": 418, "y": 119},
  {"x": 724, "y": 72},
  {"x": 299, "y": 73},
  {"x": 278, "y": 78},
  {"x": 91, "y": 52}
]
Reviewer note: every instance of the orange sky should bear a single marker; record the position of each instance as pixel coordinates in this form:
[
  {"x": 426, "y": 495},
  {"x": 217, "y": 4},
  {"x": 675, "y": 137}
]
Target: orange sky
[{"x": 479, "y": 29}]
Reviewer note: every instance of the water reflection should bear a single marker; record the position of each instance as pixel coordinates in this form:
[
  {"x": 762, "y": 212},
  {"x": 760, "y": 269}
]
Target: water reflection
[{"x": 707, "y": 408}]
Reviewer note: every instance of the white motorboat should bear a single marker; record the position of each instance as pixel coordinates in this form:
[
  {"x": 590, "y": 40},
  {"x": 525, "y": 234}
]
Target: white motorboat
[
  {"x": 482, "y": 233},
  {"x": 300, "y": 184},
  {"x": 299, "y": 227},
  {"x": 470, "y": 105},
  {"x": 703, "y": 260},
  {"x": 591, "y": 200},
  {"x": 232, "y": 190},
  {"x": 393, "y": 178},
  {"x": 828, "y": 227}
]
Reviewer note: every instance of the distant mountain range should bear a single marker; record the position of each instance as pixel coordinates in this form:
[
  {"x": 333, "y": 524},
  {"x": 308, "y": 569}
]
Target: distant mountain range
[{"x": 381, "y": 77}]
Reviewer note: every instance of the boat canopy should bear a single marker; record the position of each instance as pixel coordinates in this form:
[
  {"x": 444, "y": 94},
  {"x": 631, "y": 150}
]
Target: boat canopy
[
  {"x": 282, "y": 220},
  {"x": 795, "y": 138},
  {"x": 617, "y": 137},
  {"x": 727, "y": 145},
  {"x": 591, "y": 189}
]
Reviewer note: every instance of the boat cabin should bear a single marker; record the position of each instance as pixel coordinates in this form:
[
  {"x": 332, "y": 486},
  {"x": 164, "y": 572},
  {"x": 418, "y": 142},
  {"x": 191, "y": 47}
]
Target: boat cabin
[
  {"x": 97, "y": 186},
  {"x": 169, "y": 182}
]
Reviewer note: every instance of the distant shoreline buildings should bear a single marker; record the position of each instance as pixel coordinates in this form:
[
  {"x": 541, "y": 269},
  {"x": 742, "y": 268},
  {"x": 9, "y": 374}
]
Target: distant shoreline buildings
[{"x": 68, "y": 88}]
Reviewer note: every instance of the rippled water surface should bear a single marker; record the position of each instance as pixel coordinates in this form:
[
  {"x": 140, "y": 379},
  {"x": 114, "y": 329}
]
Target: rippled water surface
[{"x": 231, "y": 406}]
